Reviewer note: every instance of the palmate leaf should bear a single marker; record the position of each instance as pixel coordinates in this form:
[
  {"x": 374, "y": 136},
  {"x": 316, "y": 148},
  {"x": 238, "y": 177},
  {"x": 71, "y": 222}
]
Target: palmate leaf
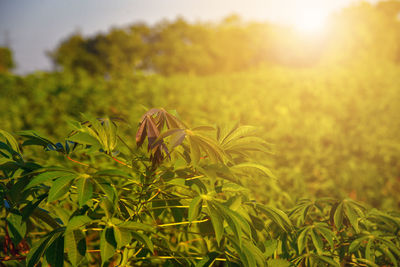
[
  {"x": 249, "y": 254},
  {"x": 135, "y": 226},
  {"x": 194, "y": 151},
  {"x": 302, "y": 239},
  {"x": 353, "y": 213},
  {"x": 195, "y": 208},
  {"x": 355, "y": 245},
  {"x": 327, "y": 260},
  {"x": 162, "y": 117},
  {"x": 202, "y": 144},
  {"x": 349, "y": 209},
  {"x": 60, "y": 187},
  {"x": 390, "y": 245},
  {"x": 55, "y": 252},
  {"x": 77, "y": 221},
  {"x": 300, "y": 211},
  {"x": 16, "y": 227},
  {"x": 385, "y": 222},
  {"x": 151, "y": 127},
  {"x": 85, "y": 190},
  {"x": 148, "y": 128},
  {"x": 217, "y": 222},
  {"x": 75, "y": 244},
  {"x": 85, "y": 138},
  {"x": 277, "y": 216},
  {"x": 338, "y": 216},
  {"x": 144, "y": 239},
  {"x": 233, "y": 223},
  {"x": 47, "y": 176},
  {"x": 317, "y": 241},
  {"x": 385, "y": 251},
  {"x": 326, "y": 233},
  {"x": 278, "y": 263},
  {"x": 96, "y": 132},
  {"x": 106, "y": 188},
  {"x": 34, "y": 138},
  {"x": 44, "y": 216},
  {"x": 248, "y": 165},
  {"x": 108, "y": 245},
  {"x": 122, "y": 236},
  {"x": 39, "y": 248},
  {"x": 10, "y": 140}
]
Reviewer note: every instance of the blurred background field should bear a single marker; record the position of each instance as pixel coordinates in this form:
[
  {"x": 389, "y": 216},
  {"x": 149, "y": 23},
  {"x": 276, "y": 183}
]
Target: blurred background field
[{"x": 326, "y": 99}]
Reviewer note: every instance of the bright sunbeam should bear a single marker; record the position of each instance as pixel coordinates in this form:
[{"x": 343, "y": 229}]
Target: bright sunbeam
[{"x": 310, "y": 21}]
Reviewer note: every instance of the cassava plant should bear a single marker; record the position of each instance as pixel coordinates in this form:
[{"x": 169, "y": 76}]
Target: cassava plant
[
  {"x": 99, "y": 200},
  {"x": 177, "y": 198}
]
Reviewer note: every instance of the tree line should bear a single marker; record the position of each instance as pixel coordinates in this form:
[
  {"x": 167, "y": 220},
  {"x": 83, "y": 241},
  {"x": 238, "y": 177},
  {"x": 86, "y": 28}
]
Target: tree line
[{"x": 360, "y": 32}]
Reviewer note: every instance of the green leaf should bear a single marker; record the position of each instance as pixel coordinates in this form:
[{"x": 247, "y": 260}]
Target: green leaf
[
  {"x": 278, "y": 263},
  {"x": 84, "y": 139},
  {"x": 46, "y": 176},
  {"x": 327, "y": 234},
  {"x": 277, "y": 216},
  {"x": 302, "y": 240},
  {"x": 368, "y": 252},
  {"x": 195, "y": 208},
  {"x": 328, "y": 260},
  {"x": 217, "y": 222},
  {"x": 107, "y": 189},
  {"x": 11, "y": 140},
  {"x": 144, "y": 239},
  {"x": 203, "y": 128},
  {"x": 77, "y": 222},
  {"x": 36, "y": 251},
  {"x": 38, "y": 248},
  {"x": 108, "y": 245},
  {"x": 270, "y": 247},
  {"x": 338, "y": 216},
  {"x": 16, "y": 227},
  {"x": 352, "y": 216},
  {"x": 122, "y": 236},
  {"x": 249, "y": 165},
  {"x": 355, "y": 245},
  {"x": 75, "y": 243},
  {"x": 60, "y": 187},
  {"x": 55, "y": 252},
  {"x": 135, "y": 226},
  {"x": 194, "y": 150},
  {"x": 34, "y": 138},
  {"x": 232, "y": 219},
  {"x": 317, "y": 241},
  {"x": 388, "y": 254},
  {"x": 85, "y": 190},
  {"x": 391, "y": 246},
  {"x": 45, "y": 217}
]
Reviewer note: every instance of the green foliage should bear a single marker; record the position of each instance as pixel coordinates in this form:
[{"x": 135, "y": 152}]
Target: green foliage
[
  {"x": 355, "y": 34},
  {"x": 149, "y": 210},
  {"x": 6, "y": 60},
  {"x": 114, "y": 206},
  {"x": 161, "y": 192}
]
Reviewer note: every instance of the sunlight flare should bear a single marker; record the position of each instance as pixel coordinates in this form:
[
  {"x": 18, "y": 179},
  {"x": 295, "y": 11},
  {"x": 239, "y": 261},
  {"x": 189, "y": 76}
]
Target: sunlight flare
[{"x": 310, "y": 21}]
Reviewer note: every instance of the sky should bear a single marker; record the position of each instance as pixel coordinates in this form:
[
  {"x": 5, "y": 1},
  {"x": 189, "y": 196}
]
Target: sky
[{"x": 32, "y": 27}]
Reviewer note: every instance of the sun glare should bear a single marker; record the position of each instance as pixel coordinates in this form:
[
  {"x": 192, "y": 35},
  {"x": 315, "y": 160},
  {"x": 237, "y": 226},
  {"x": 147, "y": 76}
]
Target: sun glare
[{"x": 310, "y": 21}]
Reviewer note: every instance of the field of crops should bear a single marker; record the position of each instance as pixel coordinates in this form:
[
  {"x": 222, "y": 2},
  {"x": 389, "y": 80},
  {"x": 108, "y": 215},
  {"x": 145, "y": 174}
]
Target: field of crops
[{"x": 269, "y": 165}]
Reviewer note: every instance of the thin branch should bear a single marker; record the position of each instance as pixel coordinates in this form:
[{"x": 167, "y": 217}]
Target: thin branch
[
  {"x": 120, "y": 162},
  {"x": 84, "y": 164},
  {"x": 180, "y": 223}
]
